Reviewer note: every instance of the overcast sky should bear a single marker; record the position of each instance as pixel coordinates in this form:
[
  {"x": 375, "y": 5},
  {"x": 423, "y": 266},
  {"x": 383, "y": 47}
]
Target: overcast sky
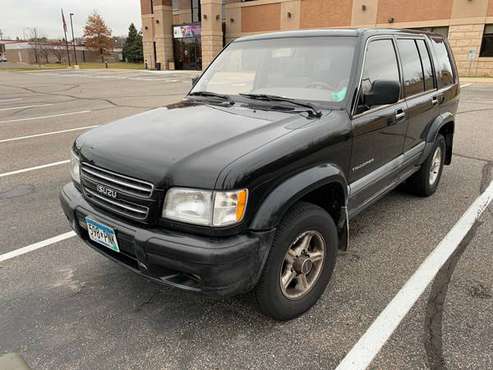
[{"x": 16, "y": 15}]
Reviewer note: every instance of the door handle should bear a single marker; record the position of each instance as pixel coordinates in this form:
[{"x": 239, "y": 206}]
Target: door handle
[
  {"x": 399, "y": 115},
  {"x": 434, "y": 100}
]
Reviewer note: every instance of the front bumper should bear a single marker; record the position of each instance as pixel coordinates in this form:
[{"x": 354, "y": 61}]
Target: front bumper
[{"x": 215, "y": 266}]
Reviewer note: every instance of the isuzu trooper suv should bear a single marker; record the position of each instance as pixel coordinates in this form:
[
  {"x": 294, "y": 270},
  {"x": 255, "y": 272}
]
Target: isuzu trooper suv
[{"x": 250, "y": 182}]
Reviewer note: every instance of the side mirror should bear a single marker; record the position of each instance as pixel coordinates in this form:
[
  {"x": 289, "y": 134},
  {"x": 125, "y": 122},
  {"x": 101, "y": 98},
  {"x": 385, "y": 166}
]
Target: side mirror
[
  {"x": 195, "y": 80},
  {"x": 381, "y": 93}
]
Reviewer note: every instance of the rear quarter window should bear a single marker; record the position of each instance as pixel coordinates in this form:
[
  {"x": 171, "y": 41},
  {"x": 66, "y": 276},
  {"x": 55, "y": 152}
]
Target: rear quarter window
[
  {"x": 443, "y": 63},
  {"x": 426, "y": 63}
]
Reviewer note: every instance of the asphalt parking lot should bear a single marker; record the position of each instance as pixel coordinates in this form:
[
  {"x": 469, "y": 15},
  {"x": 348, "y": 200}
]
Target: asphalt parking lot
[{"x": 66, "y": 307}]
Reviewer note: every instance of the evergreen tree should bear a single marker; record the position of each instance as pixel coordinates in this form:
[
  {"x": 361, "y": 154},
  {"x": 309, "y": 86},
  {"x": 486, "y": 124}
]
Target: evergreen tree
[{"x": 132, "y": 50}]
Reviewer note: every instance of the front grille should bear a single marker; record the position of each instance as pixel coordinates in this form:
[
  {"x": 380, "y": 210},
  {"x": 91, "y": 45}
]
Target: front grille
[
  {"x": 127, "y": 197},
  {"x": 118, "y": 206},
  {"x": 119, "y": 182}
]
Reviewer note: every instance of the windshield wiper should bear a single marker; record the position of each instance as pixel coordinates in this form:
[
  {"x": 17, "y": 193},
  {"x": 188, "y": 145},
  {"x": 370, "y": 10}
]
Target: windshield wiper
[
  {"x": 313, "y": 111},
  {"x": 213, "y": 95}
]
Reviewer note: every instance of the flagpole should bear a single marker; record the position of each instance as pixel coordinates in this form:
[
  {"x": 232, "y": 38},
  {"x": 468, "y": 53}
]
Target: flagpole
[{"x": 66, "y": 41}]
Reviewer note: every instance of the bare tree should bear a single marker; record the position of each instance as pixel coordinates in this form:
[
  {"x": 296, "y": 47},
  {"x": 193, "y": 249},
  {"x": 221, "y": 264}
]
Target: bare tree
[
  {"x": 45, "y": 51},
  {"x": 35, "y": 41},
  {"x": 57, "y": 49},
  {"x": 1, "y": 34}
]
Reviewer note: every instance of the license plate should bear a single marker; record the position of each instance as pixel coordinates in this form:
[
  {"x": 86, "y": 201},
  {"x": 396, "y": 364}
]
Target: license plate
[{"x": 102, "y": 234}]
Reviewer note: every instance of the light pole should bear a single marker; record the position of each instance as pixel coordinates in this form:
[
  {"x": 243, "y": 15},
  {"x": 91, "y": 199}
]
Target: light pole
[{"x": 73, "y": 38}]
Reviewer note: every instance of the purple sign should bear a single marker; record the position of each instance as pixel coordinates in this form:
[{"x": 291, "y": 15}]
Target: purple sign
[{"x": 186, "y": 30}]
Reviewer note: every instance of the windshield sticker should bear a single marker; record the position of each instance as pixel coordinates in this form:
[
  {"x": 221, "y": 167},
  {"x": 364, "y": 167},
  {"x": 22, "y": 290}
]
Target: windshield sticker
[{"x": 338, "y": 96}]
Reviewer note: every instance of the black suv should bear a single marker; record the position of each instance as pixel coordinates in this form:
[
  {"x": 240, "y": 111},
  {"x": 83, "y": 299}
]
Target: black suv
[{"x": 251, "y": 180}]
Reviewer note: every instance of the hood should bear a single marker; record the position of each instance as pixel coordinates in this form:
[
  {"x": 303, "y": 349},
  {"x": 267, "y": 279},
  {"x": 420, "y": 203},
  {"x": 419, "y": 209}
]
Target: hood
[{"x": 185, "y": 144}]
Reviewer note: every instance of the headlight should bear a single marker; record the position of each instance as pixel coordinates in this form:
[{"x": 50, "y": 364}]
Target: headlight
[
  {"x": 204, "y": 207},
  {"x": 74, "y": 167}
]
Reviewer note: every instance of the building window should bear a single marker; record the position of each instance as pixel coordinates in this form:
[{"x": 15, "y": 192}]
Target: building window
[
  {"x": 440, "y": 30},
  {"x": 195, "y": 6},
  {"x": 487, "y": 43}
]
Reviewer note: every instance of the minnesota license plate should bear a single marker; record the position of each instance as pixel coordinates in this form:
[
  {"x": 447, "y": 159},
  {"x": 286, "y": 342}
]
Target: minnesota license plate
[{"x": 102, "y": 234}]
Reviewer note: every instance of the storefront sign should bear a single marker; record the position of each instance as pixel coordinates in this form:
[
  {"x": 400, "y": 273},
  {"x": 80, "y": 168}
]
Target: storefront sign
[{"x": 187, "y": 30}]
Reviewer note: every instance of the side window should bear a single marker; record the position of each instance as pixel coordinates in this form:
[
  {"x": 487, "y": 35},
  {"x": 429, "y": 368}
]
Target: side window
[
  {"x": 445, "y": 75},
  {"x": 426, "y": 62},
  {"x": 380, "y": 64},
  {"x": 411, "y": 67}
]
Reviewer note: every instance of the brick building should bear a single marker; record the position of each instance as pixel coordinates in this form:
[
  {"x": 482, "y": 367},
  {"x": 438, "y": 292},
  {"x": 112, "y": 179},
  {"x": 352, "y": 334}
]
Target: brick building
[
  {"x": 26, "y": 52},
  {"x": 187, "y": 34}
]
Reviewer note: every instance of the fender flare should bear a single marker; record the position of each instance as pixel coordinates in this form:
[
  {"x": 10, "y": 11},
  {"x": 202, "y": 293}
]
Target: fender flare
[
  {"x": 285, "y": 195},
  {"x": 432, "y": 133}
]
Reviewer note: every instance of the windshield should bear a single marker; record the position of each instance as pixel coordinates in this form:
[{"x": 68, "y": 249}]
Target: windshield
[{"x": 306, "y": 68}]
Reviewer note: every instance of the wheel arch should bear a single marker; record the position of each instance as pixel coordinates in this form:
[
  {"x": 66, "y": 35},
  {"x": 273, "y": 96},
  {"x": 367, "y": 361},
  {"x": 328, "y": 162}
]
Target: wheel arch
[
  {"x": 444, "y": 124},
  {"x": 324, "y": 185}
]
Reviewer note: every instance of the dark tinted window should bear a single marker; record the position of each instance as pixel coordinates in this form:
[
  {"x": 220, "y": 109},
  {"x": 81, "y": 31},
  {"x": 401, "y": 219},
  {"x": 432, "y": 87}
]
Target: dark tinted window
[
  {"x": 380, "y": 64},
  {"x": 443, "y": 65},
  {"x": 426, "y": 62},
  {"x": 487, "y": 42},
  {"x": 411, "y": 67},
  {"x": 195, "y": 6},
  {"x": 440, "y": 30}
]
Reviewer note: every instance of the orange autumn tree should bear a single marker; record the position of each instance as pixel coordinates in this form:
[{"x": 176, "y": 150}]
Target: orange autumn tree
[{"x": 97, "y": 35}]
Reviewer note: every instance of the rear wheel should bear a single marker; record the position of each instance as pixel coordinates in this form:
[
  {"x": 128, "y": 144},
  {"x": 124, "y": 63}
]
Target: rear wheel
[
  {"x": 300, "y": 263},
  {"x": 425, "y": 182}
]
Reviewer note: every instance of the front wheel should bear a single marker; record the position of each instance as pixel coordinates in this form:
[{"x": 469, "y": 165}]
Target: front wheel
[{"x": 300, "y": 263}]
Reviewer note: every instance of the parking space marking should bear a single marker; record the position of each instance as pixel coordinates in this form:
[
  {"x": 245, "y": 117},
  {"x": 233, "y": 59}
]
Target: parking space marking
[
  {"x": 152, "y": 79},
  {"x": 5, "y": 174},
  {"x": 44, "y": 117},
  {"x": 46, "y": 134},
  {"x": 465, "y": 85},
  {"x": 368, "y": 346},
  {"x": 38, "y": 245},
  {"x": 9, "y": 100},
  {"x": 25, "y": 106},
  {"x": 111, "y": 76}
]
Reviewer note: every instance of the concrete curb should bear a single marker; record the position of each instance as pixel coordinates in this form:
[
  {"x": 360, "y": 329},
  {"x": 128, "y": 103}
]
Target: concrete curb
[{"x": 476, "y": 79}]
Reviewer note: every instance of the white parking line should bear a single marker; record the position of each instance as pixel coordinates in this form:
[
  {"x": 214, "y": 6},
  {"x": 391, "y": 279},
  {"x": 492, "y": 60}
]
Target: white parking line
[
  {"x": 387, "y": 322},
  {"x": 44, "y": 117},
  {"x": 465, "y": 85},
  {"x": 38, "y": 245},
  {"x": 10, "y": 100},
  {"x": 46, "y": 134},
  {"x": 5, "y": 174},
  {"x": 151, "y": 79},
  {"x": 25, "y": 106}
]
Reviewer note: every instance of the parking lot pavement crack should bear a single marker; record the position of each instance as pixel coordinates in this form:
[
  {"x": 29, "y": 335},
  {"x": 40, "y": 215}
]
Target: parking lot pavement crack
[
  {"x": 471, "y": 157},
  {"x": 486, "y": 176},
  {"x": 474, "y": 111},
  {"x": 148, "y": 301},
  {"x": 106, "y": 100},
  {"x": 17, "y": 191},
  {"x": 433, "y": 335}
]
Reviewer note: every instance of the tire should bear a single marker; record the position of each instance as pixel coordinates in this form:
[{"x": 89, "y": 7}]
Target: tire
[
  {"x": 305, "y": 221},
  {"x": 425, "y": 182}
]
